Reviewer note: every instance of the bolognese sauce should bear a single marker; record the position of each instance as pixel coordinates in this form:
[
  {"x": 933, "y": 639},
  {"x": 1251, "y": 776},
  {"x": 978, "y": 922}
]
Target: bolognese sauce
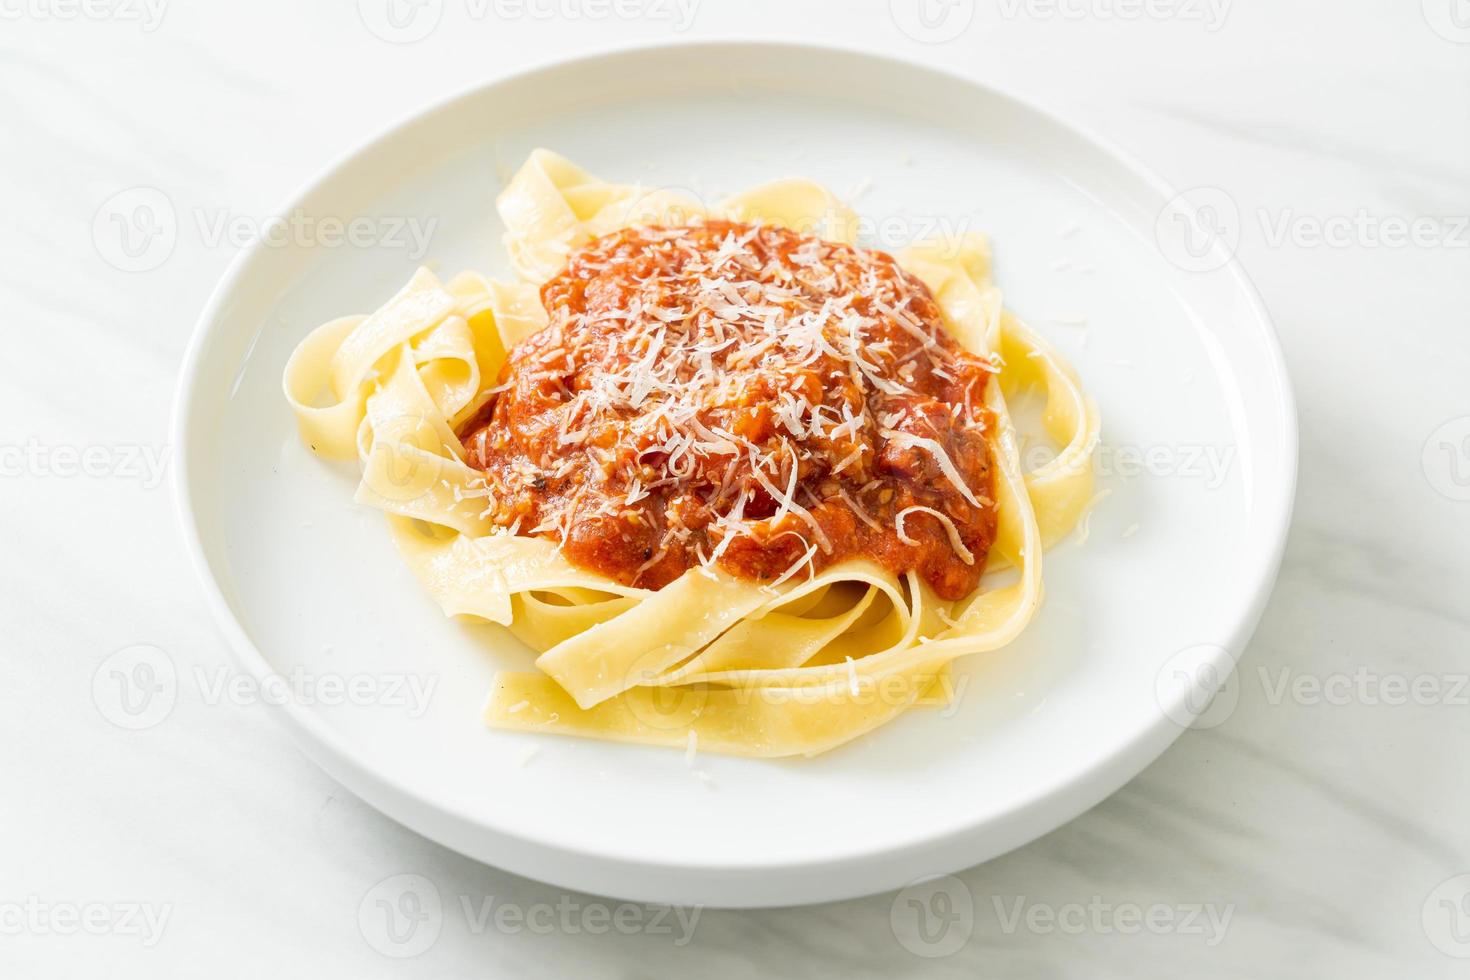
[{"x": 744, "y": 396}]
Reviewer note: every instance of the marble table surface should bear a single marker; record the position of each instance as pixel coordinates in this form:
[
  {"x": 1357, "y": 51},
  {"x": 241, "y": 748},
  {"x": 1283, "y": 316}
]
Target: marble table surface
[{"x": 1323, "y": 829}]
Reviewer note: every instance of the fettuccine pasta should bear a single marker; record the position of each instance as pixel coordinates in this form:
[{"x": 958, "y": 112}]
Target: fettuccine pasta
[{"x": 739, "y": 484}]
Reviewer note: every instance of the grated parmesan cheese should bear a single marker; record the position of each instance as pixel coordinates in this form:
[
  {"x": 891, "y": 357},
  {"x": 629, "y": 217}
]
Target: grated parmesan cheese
[{"x": 705, "y": 384}]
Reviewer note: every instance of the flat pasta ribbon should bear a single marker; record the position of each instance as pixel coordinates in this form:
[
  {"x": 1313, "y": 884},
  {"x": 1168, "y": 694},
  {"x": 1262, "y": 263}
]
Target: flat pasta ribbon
[{"x": 710, "y": 660}]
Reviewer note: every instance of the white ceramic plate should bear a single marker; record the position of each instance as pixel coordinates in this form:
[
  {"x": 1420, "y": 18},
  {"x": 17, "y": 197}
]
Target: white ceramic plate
[{"x": 1183, "y": 364}]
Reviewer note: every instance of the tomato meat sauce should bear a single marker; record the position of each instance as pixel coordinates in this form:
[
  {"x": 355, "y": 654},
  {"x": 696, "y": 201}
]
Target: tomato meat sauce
[{"x": 741, "y": 396}]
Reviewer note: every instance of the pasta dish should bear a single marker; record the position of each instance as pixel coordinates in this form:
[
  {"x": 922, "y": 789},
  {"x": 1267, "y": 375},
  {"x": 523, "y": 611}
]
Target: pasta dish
[{"x": 742, "y": 485}]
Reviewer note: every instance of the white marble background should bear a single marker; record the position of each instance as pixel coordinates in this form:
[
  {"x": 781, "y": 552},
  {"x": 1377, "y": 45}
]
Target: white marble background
[{"x": 1329, "y": 827}]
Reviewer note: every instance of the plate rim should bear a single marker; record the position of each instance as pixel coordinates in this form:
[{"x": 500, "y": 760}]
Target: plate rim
[{"x": 315, "y": 736}]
